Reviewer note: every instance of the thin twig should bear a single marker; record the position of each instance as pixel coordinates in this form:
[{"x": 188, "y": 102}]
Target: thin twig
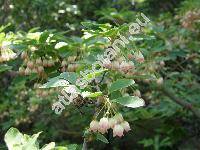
[
  {"x": 103, "y": 77},
  {"x": 184, "y": 104}
]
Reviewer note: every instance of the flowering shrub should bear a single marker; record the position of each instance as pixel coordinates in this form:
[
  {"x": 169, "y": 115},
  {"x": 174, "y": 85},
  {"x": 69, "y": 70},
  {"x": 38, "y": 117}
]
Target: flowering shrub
[{"x": 61, "y": 81}]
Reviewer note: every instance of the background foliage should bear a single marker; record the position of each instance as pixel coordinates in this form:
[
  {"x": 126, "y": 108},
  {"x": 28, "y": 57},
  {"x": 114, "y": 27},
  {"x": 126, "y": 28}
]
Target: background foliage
[{"x": 171, "y": 47}]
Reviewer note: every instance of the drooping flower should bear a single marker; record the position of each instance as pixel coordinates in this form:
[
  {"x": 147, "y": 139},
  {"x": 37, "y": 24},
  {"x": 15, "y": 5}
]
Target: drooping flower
[
  {"x": 94, "y": 125},
  {"x": 119, "y": 118},
  {"x": 118, "y": 131},
  {"x": 115, "y": 65},
  {"x": 27, "y": 71},
  {"x": 102, "y": 130},
  {"x": 137, "y": 93},
  {"x": 103, "y": 123},
  {"x": 126, "y": 126},
  {"x": 138, "y": 57},
  {"x": 24, "y": 55},
  {"x": 112, "y": 122},
  {"x": 124, "y": 67},
  {"x": 30, "y": 64},
  {"x": 159, "y": 81},
  {"x": 130, "y": 56},
  {"x": 40, "y": 69}
]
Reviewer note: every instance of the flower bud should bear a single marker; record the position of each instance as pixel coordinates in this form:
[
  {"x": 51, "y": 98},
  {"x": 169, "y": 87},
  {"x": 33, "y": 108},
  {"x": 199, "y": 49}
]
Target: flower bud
[
  {"x": 126, "y": 126},
  {"x": 38, "y": 61},
  {"x": 131, "y": 65},
  {"x": 162, "y": 63},
  {"x": 64, "y": 63},
  {"x": 21, "y": 71},
  {"x": 26, "y": 60},
  {"x": 118, "y": 130},
  {"x": 139, "y": 57},
  {"x": 75, "y": 67},
  {"x": 107, "y": 65},
  {"x": 33, "y": 48},
  {"x": 27, "y": 71},
  {"x": 40, "y": 69},
  {"x": 124, "y": 66},
  {"x": 120, "y": 59},
  {"x": 130, "y": 56},
  {"x": 94, "y": 126},
  {"x": 115, "y": 65},
  {"x": 30, "y": 64},
  {"x": 34, "y": 70},
  {"x": 24, "y": 55},
  {"x": 159, "y": 81},
  {"x": 45, "y": 63},
  {"x": 137, "y": 93},
  {"x": 63, "y": 69},
  {"x": 44, "y": 93},
  {"x": 50, "y": 63},
  {"x": 70, "y": 68},
  {"x": 71, "y": 59}
]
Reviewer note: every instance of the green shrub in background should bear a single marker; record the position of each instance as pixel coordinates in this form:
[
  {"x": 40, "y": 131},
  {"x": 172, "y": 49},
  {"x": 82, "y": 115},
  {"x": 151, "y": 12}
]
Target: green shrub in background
[{"x": 170, "y": 48}]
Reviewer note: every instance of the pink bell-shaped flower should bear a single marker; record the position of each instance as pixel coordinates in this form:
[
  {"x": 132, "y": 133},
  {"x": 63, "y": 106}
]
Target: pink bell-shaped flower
[
  {"x": 139, "y": 57},
  {"x": 103, "y": 123},
  {"x": 94, "y": 126},
  {"x": 102, "y": 130},
  {"x": 118, "y": 131},
  {"x": 126, "y": 126},
  {"x": 119, "y": 118},
  {"x": 112, "y": 122}
]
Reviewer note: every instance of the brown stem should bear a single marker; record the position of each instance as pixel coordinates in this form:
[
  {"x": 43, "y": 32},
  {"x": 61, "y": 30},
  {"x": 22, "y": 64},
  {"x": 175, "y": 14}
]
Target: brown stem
[{"x": 184, "y": 104}]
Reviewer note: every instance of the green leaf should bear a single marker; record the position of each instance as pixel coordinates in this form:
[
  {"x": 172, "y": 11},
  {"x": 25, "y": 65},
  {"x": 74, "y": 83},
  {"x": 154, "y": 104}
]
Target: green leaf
[
  {"x": 32, "y": 143},
  {"x": 92, "y": 75},
  {"x": 115, "y": 95},
  {"x": 65, "y": 51},
  {"x": 91, "y": 95},
  {"x": 55, "y": 82},
  {"x": 130, "y": 101},
  {"x": 43, "y": 37},
  {"x": 49, "y": 146},
  {"x": 4, "y": 68},
  {"x": 72, "y": 146},
  {"x": 62, "y": 80},
  {"x": 61, "y": 148},
  {"x": 91, "y": 25},
  {"x": 69, "y": 76},
  {"x": 13, "y": 138},
  {"x": 119, "y": 84},
  {"x": 102, "y": 138}
]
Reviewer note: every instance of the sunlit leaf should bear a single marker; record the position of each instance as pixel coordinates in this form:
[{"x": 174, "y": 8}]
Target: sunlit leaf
[
  {"x": 119, "y": 84},
  {"x": 130, "y": 101}
]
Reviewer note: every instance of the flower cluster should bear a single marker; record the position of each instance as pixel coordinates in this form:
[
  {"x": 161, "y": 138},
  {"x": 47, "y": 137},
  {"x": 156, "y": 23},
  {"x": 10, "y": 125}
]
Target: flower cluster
[
  {"x": 69, "y": 65},
  {"x": 35, "y": 65},
  {"x": 44, "y": 92},
  {"x": 190, "y": 18},
  {"x": 116, "y": 123},
  {"x": 6, "y": 53},
  {"x": 122, "y": 66},
  {"x": 111, "y": 52}
]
